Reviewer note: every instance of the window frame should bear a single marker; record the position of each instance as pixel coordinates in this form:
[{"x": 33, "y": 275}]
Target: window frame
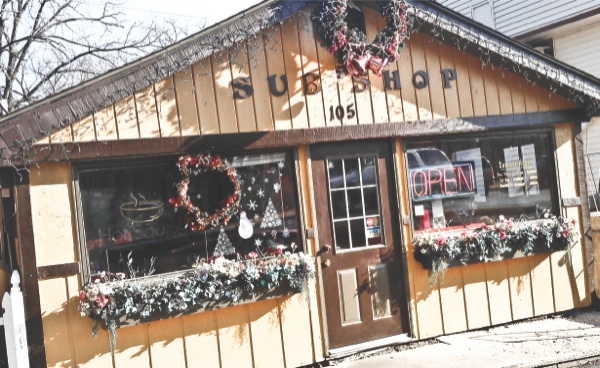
[
  {"x": 554, "y": 188},
  {"x": 78, "y": 166}
]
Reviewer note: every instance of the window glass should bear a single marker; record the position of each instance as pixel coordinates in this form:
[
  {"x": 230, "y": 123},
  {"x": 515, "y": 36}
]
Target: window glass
[
  {"x": 475, "y": 180},
  {"x": 354, "y": 202},
  {"x": 130, "y": 227}
]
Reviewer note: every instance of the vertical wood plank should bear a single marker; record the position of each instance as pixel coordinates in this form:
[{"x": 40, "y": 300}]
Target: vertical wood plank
[
  {"x": 476, "y": 296},
  {"x": 346, "y": 92},
  {"x": 450, "y": 94},
  {"x": 88, "y": 351},
  {"x": 201, "y": 341},
  {"x": 293, "y": 67},
  {"x": 166, "y": 343},
  {"x": 132, "y": 347},
  {"x": 490, "y": 85},
  {"x": 265, "y": 325},
  {"x": 166, "y": 106},
  {"x": 224, "y": 93},
  {"x": 310, "y": 64},
  {"x": 84, "y": 130},
  {"x": 556, "y": 101},
  {"x": 477, "y": 86},
  {"x": 543, "y": 98},
  {"x": 328, "y": 83},
  {"x": 262, "y": 96},
  {"x": 418, "y": 62},
  {"x": 504, "y": 92},
  {"x": 127, "y": 119},
  {"x": 106, "y": 124},
  {"x": 234, "y": 337},
  {"x": 378, "y": 94},
  {"x": 244, "y": 107},
  {"x": 184, "y": 93},
  {"x": 52, "y": 213},
  {"x": 463, "y": 84},
  {"x": 568, "y": 274},
  {"x": 436, "y": 90},
  {"x": 408, "y": 94},
  {"x": 530, "y": 94},
  {"x": 429, "y": 310},
  {"x": 541, "y": 284},
  {"x": 453, "y": 301},
  {"x": 55, "y": 321},
  {"x": 145, "y": 104},
  {"x": 517, "y": 85},
  {"x": 296, "y": 333},
  {"x": 206, "y": 103},
  {"x": 520, "y": 288},
  {"x": 276, "y": 68},
  {"x": 498, "y": 292}
]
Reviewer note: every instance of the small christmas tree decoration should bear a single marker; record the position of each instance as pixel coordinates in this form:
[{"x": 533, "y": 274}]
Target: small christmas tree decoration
[
  {"x": 224, "y": 246},
  {"x": 270, "y": 218}
]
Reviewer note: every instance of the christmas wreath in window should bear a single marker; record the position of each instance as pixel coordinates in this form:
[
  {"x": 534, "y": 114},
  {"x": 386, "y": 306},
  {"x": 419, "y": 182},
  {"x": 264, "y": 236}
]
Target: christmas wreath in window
[
  {"x": 350, "y": 44},
  {"x": 191, "y": 166}
]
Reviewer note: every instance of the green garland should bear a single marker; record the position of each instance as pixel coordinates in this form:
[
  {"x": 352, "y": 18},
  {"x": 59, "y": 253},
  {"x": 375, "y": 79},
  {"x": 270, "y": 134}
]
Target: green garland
[
  {"x": 206, "y": 286},
  {"x": 438, "y": 250},
  {"x": 351, "y": 46}
]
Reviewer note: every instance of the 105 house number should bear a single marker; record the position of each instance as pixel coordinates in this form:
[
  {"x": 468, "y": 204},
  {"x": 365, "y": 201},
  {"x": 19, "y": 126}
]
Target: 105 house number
[{"x": 338, "y": 112}]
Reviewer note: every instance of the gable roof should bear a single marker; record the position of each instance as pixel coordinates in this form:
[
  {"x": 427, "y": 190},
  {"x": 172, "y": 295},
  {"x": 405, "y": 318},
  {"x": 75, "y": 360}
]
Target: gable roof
[{"x": 21, "y": 128}]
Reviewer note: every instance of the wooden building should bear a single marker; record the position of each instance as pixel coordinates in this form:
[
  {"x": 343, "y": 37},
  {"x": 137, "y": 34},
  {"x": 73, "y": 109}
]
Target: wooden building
[{"x": 467, "y": 130}]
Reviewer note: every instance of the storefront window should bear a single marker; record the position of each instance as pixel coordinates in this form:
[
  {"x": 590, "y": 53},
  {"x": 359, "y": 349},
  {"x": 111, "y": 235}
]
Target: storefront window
[
  {"x": 130, "y": 227},
  {"x": 471, "y": 181}
]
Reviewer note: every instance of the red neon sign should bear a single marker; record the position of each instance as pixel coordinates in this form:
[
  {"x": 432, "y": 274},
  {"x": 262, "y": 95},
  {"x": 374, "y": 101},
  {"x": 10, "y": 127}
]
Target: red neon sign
[{"x": 442, "y": 182}]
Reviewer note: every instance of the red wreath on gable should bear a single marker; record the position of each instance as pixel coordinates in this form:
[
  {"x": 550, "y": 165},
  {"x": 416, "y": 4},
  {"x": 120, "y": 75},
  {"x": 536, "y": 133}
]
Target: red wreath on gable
[
  {"x": 350, "y": 45},
  {"x": 193, "y": 165}
]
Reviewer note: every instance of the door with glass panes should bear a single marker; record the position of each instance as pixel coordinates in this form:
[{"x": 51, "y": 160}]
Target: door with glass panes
[{"x": 359, "y": 235}]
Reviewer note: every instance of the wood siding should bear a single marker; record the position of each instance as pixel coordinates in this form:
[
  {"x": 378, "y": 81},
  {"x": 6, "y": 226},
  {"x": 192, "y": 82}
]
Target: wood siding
[{"x": 287, "y": 332}]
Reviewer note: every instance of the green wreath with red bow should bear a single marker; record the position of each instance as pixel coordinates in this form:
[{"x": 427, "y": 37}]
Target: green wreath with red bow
[
  {"x": 350, "y": 44},
  {"x": 193, "y": 165}
]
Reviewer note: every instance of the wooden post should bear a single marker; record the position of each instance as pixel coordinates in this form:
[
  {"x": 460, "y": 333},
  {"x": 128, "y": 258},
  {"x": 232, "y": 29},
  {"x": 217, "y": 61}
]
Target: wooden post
[{"x": 595, "y": 222}]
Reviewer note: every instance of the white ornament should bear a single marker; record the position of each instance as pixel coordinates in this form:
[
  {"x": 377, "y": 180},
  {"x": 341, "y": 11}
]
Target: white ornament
[
  {"x": 258, "y": 242},
  {"x": 253, "y": 180},
  {"x": 256, "y": 216},
  {"x": 266, "y": 180},
  {"x": 245, "y": 230},
  {"x": 276, "y": 187},
  {"x": 274, "y": 234},
  {"x": 286, "y": 233},
  {"x": 281, "y": 164},
  {"x": 249, "y": 189},
  {"x": 252, "y": 205},
  {"x": 261, "y": 193}
]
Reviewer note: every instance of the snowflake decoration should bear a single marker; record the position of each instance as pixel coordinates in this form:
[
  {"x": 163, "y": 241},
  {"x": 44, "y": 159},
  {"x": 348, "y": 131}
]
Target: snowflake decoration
[
  {"x": 256, "y": 216},
  {"x": 261, "y": 193},
  {"x": 242, "y": 181},
  {"x": 281, "y": 164},
  {"x": 198, "y": 196},
  {"x": 286, "y": 233},
  {"x": 266, "y": 180},
  {"x": 274, "y": 234},
  {"x": 276, "y": 187},
  {"x": 253, "y": 180},
  {"x": 249, "y": 189},
  {"x": 258, "y": 242},
  {"x": 252, "y": 205}
]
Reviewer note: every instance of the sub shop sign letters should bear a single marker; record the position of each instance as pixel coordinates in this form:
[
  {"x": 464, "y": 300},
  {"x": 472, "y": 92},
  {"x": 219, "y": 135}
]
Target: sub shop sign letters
[{"x": 278, "y": 86}]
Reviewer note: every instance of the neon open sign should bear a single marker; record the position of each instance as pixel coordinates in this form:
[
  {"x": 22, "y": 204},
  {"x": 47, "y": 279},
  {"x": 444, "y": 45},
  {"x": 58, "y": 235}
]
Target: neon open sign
[{"x": 443, "y": 181}]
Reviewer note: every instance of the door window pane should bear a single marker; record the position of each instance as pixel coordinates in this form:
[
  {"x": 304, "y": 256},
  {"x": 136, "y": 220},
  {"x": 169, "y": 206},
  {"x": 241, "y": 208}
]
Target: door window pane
[{"x": 355, "y": 204}]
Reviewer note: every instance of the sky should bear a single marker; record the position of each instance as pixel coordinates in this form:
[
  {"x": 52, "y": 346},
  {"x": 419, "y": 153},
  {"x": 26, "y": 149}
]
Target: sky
[{"x": 191, "y": 12}]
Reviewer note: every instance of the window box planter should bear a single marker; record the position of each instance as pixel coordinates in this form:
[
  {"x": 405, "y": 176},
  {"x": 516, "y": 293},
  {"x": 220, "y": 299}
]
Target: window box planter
[
  {"x": 503, "y": 240},
  {"x": 207, "y": 286}
]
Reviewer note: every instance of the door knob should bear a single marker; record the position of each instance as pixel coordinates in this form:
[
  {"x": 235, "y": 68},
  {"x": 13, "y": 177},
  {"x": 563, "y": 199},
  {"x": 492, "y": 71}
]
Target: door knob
[{"x": 326, "y": 248}]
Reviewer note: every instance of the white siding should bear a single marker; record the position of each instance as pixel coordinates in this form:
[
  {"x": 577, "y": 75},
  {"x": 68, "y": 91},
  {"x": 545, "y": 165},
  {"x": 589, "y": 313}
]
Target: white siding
[
  {"x": 517, "y": 17},
  {"x": 580, "y": 49}
]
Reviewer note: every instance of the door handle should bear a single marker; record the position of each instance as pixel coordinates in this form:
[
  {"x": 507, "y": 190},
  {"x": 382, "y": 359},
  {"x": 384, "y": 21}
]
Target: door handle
[{"x": 326, "y": 248}]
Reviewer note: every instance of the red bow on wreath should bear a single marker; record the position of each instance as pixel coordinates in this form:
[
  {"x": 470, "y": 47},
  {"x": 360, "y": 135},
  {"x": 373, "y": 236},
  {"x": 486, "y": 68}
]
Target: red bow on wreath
[{"x": 359, "y": 66}]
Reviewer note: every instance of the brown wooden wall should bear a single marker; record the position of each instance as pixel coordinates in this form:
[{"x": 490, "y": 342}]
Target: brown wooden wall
[{"x": 288, "y": 332}]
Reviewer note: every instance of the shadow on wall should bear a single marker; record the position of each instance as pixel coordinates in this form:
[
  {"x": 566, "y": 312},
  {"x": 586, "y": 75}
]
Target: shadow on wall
[{"x": 69, "y": 342}]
